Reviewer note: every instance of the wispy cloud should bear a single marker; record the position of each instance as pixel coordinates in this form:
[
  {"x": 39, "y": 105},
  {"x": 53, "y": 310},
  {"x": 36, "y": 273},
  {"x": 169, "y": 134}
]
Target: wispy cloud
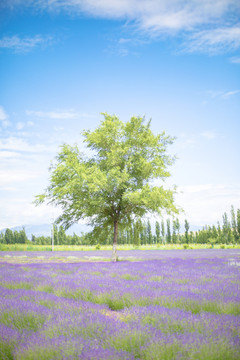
[
  {"x": 3, "y": 114},
  {"x": 18, "y": 144},
  {"x": 13, "y": 176},
  {"x": 214, "y": 40},
  {"x": 212, "y": 201},
  {"x": 235, "y": 60},
  {"x": 205, "y": 25},
  {"x": 4, "y": 118},
  {"x": 229, "y": 94},
  {"x": 210, "y": 135},
  {"x": 59, "y": 114},
  {"x": 222, "y": 94},
  {"x": 24, "y": 44}
]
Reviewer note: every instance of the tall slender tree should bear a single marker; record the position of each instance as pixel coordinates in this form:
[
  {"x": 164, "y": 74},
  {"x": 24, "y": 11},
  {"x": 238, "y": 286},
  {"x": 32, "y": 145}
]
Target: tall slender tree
[
  {"x": 226, "y": 228},
  {"x": 178, "y": 226},
  {"x": 238, "y": 223},
  {"x": 9, "y": 237},
  {"x": 149, "y": 232},
  {"x": 157, "y": 232},
  {"x": 187, "y": 226},
  {"x": 234, "y": 223},
  {"x": 169, "y": 236},
  {"x": 163, "y": 231}
]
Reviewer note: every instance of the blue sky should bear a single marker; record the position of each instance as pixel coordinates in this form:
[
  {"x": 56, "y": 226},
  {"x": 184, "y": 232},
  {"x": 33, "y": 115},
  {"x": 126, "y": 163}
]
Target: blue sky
[{"x": 62, "y": 63}]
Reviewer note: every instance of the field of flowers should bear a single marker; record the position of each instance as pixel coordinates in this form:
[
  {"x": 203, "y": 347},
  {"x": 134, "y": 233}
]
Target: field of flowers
[{"x": 174, "y": 305}]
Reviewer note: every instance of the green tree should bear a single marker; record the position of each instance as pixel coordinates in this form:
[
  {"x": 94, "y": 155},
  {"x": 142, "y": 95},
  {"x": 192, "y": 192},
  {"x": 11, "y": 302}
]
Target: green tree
[
  {"x": 33, "y": 239},
  {"x": 234, "y": 224},
  {"x": 55, "y": 234},
  {"x": 187, "y": 226},
  {"x": 174, "y": 234},
  {"x": 22, "y": 236},
  {"x": 62, "y": 237},
  {"x": 149, "y": 233},
  {"x": 157, "y": 232},
  {"x": 136, "y": 232},
  {"x": 2, "y": 238},
  {"x": 163, "y": 231},
  {"x": 143, "y": 234},
  {"x": 9, "y": 237},
  {"x": 16, "y": 237},
  {"x": 178, "y": 226},
  {"x": 115, "y": 182},
  {"x": 169, "y": 236},
  {"x": 226, "y": 229},
  {"x": 238, "y": 222}
]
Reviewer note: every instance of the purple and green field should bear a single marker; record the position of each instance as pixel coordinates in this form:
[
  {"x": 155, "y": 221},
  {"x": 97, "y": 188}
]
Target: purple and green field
[{"x": 182, "y": 304}]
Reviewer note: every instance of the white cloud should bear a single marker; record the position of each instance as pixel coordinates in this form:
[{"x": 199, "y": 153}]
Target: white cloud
[
  {"x": 222, "y": 94},
  {"x": 21, "y": 210},
  {"x": 206, "y": 203},
  {"x": 212, "y": 25},
  {"x": 60, "y": 114},
  {"x": 4, "y": 118},
  {"x": 214, "y": 40},
  {"x": 235, "y": 60},
  {"x": 20, "y": 125},
  {"x": 209, "y": 135},
  {"x": 150, "y": 14},
  {"x": 15, "y": 176},
  {"x": 24, "y": 44},
  {"x": 230, "y": 94},
  {"x": 3, "y": 114},
  {"x": 6, "y": 155},
  {"x": 18, "y": 144}
]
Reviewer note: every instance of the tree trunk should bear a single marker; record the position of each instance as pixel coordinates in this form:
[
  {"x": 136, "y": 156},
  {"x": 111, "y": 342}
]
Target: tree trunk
[{"x": 114, "y": 250}]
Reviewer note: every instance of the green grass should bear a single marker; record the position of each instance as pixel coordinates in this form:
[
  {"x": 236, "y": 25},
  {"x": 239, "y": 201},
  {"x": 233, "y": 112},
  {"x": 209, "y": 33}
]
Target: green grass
[
  {"x": 7, "y": 349},
  {"x": 157, "y": 351},
  {"x": 14, "y": 286},
  {"x": 39, "y": 353},
  {"x": 131, "y": 342},
  {"x": 129, "y": 277},
  {"x": 32, "y": 247},
  {"x": 20, "y": 321}
]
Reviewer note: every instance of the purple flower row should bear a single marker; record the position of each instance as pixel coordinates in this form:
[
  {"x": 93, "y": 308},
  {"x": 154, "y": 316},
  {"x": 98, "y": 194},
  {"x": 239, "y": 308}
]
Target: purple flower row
[{"x": 171, "y": 308}]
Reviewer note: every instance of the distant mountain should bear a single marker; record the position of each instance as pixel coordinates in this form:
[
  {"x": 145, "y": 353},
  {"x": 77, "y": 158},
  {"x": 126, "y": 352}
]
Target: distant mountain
[{"x": 45, "y": 229}]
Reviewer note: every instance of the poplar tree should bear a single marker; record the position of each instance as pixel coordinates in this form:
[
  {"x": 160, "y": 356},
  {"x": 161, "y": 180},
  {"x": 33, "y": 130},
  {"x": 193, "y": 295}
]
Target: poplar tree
[
  {"x": 178, "y": 226},
  {"x": 234, "y": 223},
  {"x": 169, "y": 236},
  {"x": 187, "y": 226},
  {"x": 238, "y": 222},
  {"x": 163, "y": 231},
  {"x": 157, "y": 231},
  {"x": 115, "y": 182},
  {"x": 174, "y": 234},
  {"x": 149, "y": 232}
]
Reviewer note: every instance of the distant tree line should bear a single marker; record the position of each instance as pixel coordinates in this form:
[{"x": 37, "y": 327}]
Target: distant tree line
[{"x": 140, "y": 233}]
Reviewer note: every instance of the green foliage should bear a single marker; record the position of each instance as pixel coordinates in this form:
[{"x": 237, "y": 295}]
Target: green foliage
[
  {"x": 131, "y": 342},
  {"x": 7, "y": 349},
  {"x": 20, "y": 321},
  {"x": 156, "y": 351},
  {"x": 115, "y": 183},
  {"x": 37, "y": 352},
  {"x": 157, "y": 231},
  {"x": 138, "y": 234},
  {"x": 187, "y": 226}
]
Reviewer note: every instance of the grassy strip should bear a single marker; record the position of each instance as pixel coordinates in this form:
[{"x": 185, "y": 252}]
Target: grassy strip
[{"x": 31, "y": 247}]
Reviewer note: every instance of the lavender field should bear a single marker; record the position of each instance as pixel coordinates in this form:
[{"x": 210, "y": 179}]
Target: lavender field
[{"x": 172, "y": 305}]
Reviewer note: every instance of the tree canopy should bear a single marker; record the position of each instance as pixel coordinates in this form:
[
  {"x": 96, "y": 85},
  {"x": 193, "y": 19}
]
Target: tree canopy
[{"x": 117, "y": 180}]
